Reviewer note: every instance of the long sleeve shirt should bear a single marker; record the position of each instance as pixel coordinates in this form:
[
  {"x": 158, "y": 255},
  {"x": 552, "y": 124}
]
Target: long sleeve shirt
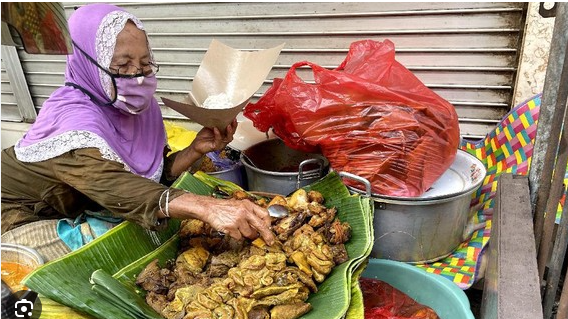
[{"x": 79, "y": 180}]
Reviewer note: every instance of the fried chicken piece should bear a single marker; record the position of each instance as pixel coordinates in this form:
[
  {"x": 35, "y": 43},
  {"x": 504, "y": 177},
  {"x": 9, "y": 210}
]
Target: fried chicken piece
[
  {"x": 290, "y": 311},
  {"x": 259, "y": 313},
  {"x": 192, "y": 227},
  {"x": 220, "y": 264},
  {"x": 315, "y": 196},
  {"x": 311, "y": 245},
  {"x": 156, "y": 301},
  {"x": 339, "y": 232},
  {"x": 240, "y": 195},
  {"x": 288, "y": 225},
  {"x": 291, "y": 274},
  {"x": 151, "y": 278},
  {"x": 193, "y": 259},
  {"x": 339, "y": 254},
  {"x": 278, "y": 200},
  {"x": 299, "y": 200}
]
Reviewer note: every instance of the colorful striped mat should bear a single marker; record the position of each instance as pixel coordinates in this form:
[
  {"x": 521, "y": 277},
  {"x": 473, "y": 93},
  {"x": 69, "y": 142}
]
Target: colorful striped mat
[{"x": 508, "y": 148}]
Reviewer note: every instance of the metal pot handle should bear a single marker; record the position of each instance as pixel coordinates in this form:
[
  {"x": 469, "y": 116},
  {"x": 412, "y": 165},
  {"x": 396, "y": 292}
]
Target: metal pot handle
[
  {"x": 359, "y": 179},
  {"x": 302, "y": 176}
]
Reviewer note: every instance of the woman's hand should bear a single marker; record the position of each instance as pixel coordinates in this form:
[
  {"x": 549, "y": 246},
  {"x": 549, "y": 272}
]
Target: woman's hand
[
  {"x": 206, "y": 140},
  {"x": 211, "y": 139},
  {"x": 241, "y": 218},
  {"x": 237, "y": 218}
]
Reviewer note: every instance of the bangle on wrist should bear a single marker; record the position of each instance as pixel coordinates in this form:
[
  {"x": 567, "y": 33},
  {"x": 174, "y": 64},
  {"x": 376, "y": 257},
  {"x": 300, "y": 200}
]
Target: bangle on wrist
[{"x": 165, "y": 211}]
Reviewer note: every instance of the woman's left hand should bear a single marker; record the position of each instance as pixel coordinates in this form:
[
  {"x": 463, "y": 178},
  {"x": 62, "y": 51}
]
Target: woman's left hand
[
  {"x": 211, "y": 139},
  {"x": 206, "y": 140}
]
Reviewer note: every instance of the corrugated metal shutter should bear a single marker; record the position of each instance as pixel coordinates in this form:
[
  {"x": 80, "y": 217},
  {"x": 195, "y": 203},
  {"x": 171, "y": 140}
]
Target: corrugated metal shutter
[
  {"x": 9, "y": 106},
  {"x": 17, "y": 105},
  {"x": 466, "y": 52}
]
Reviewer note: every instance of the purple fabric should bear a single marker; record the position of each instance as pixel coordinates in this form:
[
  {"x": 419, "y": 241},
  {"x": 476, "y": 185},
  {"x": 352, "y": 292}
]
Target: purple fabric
[
  {"x": 138, "y": 140},
  {"x": 135, "y": 94}
]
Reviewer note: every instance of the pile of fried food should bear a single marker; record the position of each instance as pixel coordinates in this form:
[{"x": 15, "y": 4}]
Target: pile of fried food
[{"x": 215, "y": 276}]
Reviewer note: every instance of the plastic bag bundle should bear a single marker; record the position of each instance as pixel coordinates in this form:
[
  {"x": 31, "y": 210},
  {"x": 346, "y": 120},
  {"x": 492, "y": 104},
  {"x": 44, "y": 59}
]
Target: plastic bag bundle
[
  {"x": 225, "y": 159},
  {"x": 370, "y": 117},
  {"x": 383, "y": 301}
]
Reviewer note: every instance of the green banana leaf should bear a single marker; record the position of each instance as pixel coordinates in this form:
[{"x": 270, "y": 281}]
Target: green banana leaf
[
  {"x": 191, "y": 183},
  {"x": 116, "y": 293},
  {"x": 66, "y": 280},
  {"x": 356, "y": 307},
  {"x": 53, "y": 310},
  {"x": 127, "y": 275},
  {"x": 334, "y": 295}
]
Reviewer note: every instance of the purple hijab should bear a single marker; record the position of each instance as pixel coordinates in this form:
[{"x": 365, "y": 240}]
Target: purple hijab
[{"x": 70, "y": 120}]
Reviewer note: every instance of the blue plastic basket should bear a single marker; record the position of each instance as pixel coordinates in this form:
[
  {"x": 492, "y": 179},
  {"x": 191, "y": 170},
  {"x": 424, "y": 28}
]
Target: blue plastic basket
[{"x": 434, "y": 291}]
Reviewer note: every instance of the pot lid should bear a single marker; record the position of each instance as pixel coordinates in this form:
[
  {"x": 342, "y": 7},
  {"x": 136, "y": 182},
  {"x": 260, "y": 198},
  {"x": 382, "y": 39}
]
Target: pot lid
[{"x": 465, "y": 175}]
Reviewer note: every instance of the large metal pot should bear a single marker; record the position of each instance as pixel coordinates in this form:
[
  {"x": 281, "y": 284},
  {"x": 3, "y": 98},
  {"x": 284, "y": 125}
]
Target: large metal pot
[
  {"x": 273, "y": 167},
  {"x": 426, "y": 228}
]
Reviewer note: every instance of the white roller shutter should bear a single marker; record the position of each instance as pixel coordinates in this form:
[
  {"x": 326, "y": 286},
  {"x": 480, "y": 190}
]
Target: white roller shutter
[
  {"x": 17, "y": 105},
  {"x": 466, "y": 52},
  {"x": 9, "y": 106}
]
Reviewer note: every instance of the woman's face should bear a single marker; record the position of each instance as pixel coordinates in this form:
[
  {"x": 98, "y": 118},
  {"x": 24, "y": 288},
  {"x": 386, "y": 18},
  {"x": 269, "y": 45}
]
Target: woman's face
[{"x": 131, "y": 51}]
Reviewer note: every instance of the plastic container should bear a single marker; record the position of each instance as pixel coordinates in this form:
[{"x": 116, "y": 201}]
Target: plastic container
[
  {"x": 434, "y": 291},
  {"x": 21, "y": 255}
]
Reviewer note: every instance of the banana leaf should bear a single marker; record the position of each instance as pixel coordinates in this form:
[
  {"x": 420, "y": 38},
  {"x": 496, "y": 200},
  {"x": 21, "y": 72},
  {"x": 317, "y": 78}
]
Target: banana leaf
[
  {"x": 66, "y": 280},
  {"x": 116, "y": 293},
  {"x": 227, "y": 187},
  {"x": 53, "y": 310},
  {"x": 356, "y": 307},
  {"x": 334, "y": 295},
  {"x": 127, "y": 275},
  {"x": 191, "y": 183}
]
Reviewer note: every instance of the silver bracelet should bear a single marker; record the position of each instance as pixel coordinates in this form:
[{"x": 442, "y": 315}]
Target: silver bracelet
[
  {"x": 165, "y": 212},
  {"x": 167, "y": 204}
]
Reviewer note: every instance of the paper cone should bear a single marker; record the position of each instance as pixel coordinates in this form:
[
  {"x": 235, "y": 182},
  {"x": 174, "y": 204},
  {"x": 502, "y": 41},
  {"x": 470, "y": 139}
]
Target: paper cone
[{"x": 238, "y": 74}]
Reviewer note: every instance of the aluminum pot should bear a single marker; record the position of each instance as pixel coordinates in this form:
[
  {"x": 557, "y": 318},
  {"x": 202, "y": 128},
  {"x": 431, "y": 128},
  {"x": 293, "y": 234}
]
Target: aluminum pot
[
  {"x": 429, "y": 227},
  {"x": 273, "y": 167}
]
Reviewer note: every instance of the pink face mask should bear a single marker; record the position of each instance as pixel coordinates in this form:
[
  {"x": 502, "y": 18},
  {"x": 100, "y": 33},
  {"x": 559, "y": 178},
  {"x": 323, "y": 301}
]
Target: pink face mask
[{"x": 133, "y": 95}]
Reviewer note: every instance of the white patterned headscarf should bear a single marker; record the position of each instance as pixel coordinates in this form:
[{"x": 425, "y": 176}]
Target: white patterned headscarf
[{"x": 78, "y": 115}]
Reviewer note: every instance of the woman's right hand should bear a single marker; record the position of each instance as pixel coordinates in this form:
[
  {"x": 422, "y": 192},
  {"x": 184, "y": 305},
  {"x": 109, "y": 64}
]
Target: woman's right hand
[{"x": 236, "y": 218}]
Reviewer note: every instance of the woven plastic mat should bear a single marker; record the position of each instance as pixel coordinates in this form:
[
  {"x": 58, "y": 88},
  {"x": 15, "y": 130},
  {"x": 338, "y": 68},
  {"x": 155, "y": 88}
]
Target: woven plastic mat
[{"x": 507, "y": 149}]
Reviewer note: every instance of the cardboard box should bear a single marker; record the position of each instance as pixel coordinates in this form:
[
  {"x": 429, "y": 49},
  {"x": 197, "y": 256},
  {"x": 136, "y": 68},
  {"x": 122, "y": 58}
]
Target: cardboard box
[{"x": 238, "y": 74}]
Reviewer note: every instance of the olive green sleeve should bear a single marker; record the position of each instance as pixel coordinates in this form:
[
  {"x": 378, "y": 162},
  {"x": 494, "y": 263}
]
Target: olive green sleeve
[
  {"x": 125, "y": 194},
  {"x": 167, "y": 177}
]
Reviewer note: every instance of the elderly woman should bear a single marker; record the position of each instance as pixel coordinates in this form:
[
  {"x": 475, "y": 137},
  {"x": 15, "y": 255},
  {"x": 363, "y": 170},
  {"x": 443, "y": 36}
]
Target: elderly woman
[{"x": 99, "y": 143}]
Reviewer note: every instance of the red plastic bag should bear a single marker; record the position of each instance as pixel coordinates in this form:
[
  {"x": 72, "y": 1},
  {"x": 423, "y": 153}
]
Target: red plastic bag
[
  {"x": 370, "y": 117},
  {"x": 383, "y": 301}
]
